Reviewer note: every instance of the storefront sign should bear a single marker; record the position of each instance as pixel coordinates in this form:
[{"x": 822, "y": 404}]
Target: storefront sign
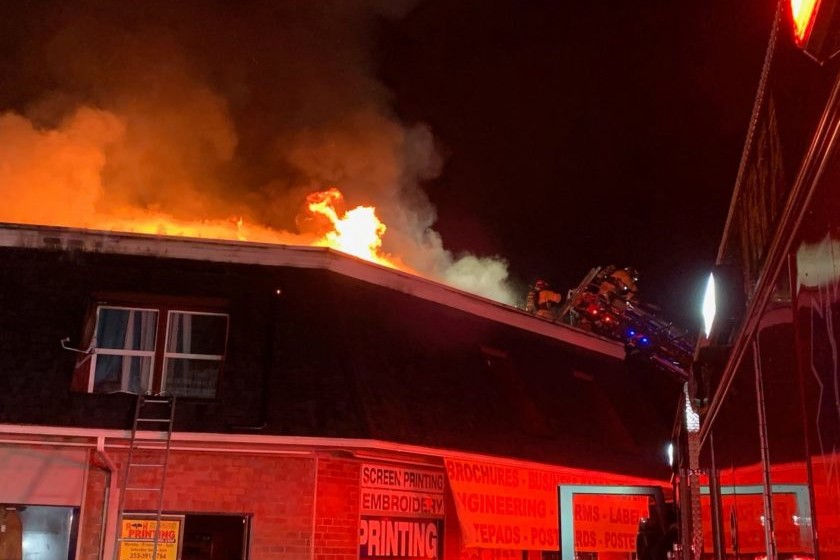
[
  {"x": 746, "y": 517},
  {"x": 402, "y": 503},
  {"x": 135, "y": 535},
  {"x": 472, "y": 553},
  {"x": 400, "y": 491},
  {"x": 608, "y": 523},
  {"x": 506, "y": 507},
  {"x": 391, "y": 537},
  {"x": 47, "y": 477},
  {"x": 402, "y": 512}
]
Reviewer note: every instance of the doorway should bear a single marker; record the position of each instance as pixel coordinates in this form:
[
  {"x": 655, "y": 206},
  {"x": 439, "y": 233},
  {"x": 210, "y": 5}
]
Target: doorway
[{"x": 215, "y": 537}]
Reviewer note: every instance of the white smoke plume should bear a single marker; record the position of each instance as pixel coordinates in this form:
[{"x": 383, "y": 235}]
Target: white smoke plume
[{"x": 114, "y": 111}]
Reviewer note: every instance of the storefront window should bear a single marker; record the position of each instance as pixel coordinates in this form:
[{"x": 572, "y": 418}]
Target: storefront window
[{"x": 38, "y": 532}]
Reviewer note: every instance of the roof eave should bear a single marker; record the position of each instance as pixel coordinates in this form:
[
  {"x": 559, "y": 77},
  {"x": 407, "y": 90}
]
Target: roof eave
[{"x": 267, "y": 254}]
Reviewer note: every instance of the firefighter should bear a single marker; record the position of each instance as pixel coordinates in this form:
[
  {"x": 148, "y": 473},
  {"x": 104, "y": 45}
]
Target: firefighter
[
  {"x": 619, "y": 283},
  {"x": 654, "y": 542},
  {"x": 542, "y": 301},
  {"x": 534, "y": 295}
]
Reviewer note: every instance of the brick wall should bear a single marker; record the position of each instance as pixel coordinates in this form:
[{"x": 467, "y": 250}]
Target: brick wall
[
  {"x": 337, "y": 510},
  {"x": 93, "y": 506},
  {"x": 277, "y": 491}
]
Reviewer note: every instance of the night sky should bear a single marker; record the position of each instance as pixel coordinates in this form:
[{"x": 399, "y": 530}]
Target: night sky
[
  {"x": 588, "y": 133},
  {"x": 542, "y": 137}
]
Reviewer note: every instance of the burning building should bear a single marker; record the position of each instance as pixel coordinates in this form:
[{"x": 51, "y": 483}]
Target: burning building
[{"x": 314, "y": 405}]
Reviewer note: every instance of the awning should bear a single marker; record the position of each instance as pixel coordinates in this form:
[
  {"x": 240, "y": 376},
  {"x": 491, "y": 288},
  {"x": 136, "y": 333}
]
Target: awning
[{"x": 48, "y": 477}]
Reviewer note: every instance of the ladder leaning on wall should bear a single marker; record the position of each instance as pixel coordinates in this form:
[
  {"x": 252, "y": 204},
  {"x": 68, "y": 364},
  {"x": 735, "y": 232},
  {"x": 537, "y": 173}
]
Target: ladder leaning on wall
[{"x": 144, "y": 476}]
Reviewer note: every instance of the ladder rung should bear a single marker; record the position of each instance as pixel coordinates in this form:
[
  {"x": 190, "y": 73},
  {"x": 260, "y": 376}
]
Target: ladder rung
[
  {"x": 146, "y": 465},
  {"x": 144, "y": 489},
  {"x": 161, "y": 420}
]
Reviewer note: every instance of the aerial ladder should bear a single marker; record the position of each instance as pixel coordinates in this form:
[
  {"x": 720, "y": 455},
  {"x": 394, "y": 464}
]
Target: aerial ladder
[{"x": 646, "y": 335}]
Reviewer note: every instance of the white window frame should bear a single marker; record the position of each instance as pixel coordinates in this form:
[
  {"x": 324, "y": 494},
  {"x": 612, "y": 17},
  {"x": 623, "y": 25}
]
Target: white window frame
[
  {"x": 179, "y": 355},
  {"x": 160, "y": 354},
  {"x": 96, "y": 349}
]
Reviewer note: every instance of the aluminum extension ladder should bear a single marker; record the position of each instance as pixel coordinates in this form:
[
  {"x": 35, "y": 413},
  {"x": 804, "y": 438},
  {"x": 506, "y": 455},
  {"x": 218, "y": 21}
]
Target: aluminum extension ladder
[{"x": 148, "y": 458}]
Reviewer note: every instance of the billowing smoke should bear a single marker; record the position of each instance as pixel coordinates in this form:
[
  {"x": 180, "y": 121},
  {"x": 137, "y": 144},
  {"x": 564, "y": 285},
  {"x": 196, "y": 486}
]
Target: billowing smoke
[{"x": 209, "y": 110}]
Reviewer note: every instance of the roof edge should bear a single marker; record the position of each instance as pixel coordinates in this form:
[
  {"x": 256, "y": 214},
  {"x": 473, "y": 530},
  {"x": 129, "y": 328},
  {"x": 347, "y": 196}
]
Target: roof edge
[
  {"x": 268, "y": 254},
  {"x": 363, "y": 449}
]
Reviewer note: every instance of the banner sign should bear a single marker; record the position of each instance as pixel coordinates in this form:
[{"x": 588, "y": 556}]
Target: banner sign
[
  {"x": 473, "y": 553},
  {"x": 399, "y": 491},
  {"x": 136, "y": 532},
  {"x": 402, "y": 503},
  {"x": 608, "y": 523},
  {"x": 394, "y": 538},
  {"x": 746, "y": 520},
  {"x": 402, "y": 513},
  {"x": 508, "y": 507}
]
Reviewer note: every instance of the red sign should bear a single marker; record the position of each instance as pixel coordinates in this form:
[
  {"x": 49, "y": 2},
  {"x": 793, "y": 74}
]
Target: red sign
[{"x": 507, "y": 507}]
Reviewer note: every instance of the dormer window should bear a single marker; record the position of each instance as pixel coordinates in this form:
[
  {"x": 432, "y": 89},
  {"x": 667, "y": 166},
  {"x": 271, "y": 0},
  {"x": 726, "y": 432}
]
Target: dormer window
[{"x": 154, "y": 349}]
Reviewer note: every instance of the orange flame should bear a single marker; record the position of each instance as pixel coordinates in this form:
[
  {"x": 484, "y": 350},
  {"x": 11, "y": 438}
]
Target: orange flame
[
  {"x": 357, "y": 232},
  {"x": 55, "y": 177}
]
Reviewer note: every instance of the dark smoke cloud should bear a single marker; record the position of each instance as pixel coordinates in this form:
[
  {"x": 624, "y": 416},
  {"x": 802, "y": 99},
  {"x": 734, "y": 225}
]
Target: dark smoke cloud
[{"x": 215, "y": 109}]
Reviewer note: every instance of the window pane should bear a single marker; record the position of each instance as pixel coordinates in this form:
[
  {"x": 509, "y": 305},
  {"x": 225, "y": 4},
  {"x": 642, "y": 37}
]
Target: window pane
[
  {"x": 47, "y": 532},
  {"x": 194, "y": 333},
  {"x": 126, "y": 329},
  {"x": 192, "y": 378},
  {"x": 121, "y": 373}
]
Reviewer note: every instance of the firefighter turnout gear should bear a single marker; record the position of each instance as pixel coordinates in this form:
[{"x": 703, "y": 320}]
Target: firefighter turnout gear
[{"x": 542, "y": 301}]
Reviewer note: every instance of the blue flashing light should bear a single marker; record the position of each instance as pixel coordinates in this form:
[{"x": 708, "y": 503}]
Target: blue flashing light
[{"x": 644, "y": 341}]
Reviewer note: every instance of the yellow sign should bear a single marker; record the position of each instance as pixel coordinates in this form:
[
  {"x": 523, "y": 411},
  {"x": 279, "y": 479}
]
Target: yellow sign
[{"x": 137, "y": 539}]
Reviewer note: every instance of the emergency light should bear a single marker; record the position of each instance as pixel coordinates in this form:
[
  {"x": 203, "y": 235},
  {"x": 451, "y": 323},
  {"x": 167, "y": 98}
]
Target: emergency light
[
  {"x": 723, "y": 309},
  {"x": 803, "y": 13},
  {"x": 723, "y": 305},
  {"x": 815, "y": 27}
]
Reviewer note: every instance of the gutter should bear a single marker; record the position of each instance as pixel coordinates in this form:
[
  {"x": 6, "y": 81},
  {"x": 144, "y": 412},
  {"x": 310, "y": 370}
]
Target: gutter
[
  {"x": 108, "y": 531},
  {"x": 363, "y": 449}
]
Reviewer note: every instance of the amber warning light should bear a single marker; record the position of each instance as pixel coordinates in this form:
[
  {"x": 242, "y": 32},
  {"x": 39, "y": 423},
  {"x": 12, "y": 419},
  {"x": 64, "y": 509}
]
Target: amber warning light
[
  {"x": 803, "y": 12},
  {"x": 816, "y": 27}
]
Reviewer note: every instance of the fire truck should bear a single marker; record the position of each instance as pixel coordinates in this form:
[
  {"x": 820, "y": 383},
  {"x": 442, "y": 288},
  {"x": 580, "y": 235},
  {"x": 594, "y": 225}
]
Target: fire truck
[{"x": 615, "y": 314}]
